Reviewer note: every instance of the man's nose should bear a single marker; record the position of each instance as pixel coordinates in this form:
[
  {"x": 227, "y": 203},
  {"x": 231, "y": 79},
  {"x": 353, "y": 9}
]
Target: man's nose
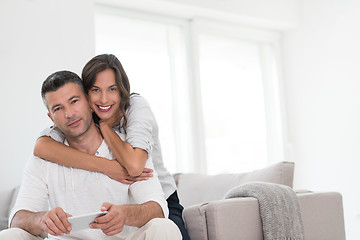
[{"x": 68, "y": 113}]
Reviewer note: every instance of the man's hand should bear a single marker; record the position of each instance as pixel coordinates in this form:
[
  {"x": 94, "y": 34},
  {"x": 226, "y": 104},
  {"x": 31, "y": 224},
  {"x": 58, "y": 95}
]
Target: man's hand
[
  {"x": 55, "y": 222},
  {"x": 136, "y": 215},
  {"x": 117, "y": 172},
  {"x": 111, "y": 223}
]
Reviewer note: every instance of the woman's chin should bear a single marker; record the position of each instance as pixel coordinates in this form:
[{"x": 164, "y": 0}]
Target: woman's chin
[{"x": 103, "y": 116}]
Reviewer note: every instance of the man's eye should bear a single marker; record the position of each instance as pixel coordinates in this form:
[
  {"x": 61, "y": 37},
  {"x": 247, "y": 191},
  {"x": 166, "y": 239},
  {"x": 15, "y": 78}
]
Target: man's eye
[
  {"x": 74, "y": 101},
  {"x": 56, "y": 109},
  {"x": 95, "y": 90}
]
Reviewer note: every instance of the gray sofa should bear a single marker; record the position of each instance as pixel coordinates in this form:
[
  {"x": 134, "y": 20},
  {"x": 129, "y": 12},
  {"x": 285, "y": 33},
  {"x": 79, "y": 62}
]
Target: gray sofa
[{"x": 208, "y": 216}]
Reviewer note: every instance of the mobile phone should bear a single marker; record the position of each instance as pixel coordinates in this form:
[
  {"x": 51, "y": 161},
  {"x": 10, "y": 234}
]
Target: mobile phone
[{"x": 83, "y": 221}]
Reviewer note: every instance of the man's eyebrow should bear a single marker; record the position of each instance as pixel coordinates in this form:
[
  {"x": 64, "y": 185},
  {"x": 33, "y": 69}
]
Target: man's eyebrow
[
  {"x": 55, "y": 106},
  {"x": 69, "y": 100}
]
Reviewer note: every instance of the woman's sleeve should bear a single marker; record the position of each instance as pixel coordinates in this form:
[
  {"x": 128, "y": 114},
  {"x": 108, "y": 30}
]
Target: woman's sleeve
[
  {"x": 141, "y": 124},
  {"x": 54, "y": 133}
]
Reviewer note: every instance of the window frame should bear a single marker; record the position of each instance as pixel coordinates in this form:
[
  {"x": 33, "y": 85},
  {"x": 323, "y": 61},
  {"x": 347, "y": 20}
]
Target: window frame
[{"x": 270, "y": 41}]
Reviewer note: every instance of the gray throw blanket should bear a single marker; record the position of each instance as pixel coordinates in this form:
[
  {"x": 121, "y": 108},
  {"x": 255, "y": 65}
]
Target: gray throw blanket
[{"x": 279, "y": 209}]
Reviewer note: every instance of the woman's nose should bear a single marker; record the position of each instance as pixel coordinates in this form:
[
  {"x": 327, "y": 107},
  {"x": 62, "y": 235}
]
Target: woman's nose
[{"x": 103, "y": 98}]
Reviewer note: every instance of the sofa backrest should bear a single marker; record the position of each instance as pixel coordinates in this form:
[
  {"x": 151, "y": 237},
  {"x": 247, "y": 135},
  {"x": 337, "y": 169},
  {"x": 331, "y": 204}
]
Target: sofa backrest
[{"x": 200, "y": 188}]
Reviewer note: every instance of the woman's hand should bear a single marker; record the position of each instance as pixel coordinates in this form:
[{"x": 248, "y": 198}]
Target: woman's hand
[
  {"x": 117, "y": 172},
  {"x": 111, "y": 122}
]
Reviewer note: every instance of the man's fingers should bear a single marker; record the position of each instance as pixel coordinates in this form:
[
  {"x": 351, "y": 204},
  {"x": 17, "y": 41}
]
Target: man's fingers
[
  {"x": 63, "y": 222},
  {"x": 56, "y": 222},
  {"x": 112, "y": 230},
  {"x": 101, "y": 220},
  {"x": 101, "y": 226},
  {"x": 51, "y": 225},
  {"x": 106, "y": 207},
  {"x": 96, "y": 225},
  {"x": 108, "y": 228},
  {"x": 48, "y": 230},
  {"x": 110, "y": 223},
  {"x": 112, "y": 233},
  {"x": 105, "y": 218}
]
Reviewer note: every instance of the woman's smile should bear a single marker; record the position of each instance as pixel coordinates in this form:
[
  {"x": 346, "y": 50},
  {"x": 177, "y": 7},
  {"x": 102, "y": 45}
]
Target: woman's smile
[{"x": 104, "y": 108}]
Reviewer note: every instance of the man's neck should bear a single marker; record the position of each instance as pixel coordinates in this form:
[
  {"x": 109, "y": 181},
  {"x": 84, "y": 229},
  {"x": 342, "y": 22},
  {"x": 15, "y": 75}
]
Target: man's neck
[{"x": 89, "y": 142}]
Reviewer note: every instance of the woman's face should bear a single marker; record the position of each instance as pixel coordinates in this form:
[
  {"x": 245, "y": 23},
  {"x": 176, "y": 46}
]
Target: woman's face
[{"x": 104, "y": 96}]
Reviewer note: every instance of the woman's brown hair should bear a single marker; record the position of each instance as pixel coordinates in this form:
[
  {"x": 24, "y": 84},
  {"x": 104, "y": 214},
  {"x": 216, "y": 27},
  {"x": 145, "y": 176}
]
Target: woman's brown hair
[{"x": 108, "y": 61}]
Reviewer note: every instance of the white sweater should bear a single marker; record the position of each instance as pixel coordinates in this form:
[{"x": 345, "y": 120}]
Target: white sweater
[{"x": 47, "y": 185}]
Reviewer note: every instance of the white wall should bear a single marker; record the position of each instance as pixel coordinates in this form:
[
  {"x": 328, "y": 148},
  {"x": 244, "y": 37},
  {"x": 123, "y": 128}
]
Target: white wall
[
  {"x": 321, "y": 81},
  {"x": 274, "y": 14},
  {"x": 322, "y": 87},
  {"x": 37, "y": 37}
]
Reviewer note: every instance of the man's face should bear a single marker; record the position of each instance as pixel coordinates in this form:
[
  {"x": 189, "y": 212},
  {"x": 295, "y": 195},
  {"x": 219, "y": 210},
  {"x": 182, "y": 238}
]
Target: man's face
[{"x": 69, "y": 110}]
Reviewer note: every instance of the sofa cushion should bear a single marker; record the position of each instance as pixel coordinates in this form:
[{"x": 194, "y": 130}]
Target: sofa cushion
[
  {"x": 13, "y": 198},
  {"x": 199, "y": 188}
]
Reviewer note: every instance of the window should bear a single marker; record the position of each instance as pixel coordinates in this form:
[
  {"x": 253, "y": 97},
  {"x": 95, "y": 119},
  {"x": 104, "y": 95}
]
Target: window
[
  {"x": 212, "y": 91},
  {"x": 233, "y": 103}
]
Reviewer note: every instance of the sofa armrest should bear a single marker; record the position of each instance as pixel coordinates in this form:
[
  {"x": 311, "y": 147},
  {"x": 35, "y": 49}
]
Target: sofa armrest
[
  {"x": 195, "y": 221},
  {"x": 236, "y": 218},
  {"x": 239, "y": 218},
  {"x": 3, "y": 223},
  {"x": 323, "y": 215}
]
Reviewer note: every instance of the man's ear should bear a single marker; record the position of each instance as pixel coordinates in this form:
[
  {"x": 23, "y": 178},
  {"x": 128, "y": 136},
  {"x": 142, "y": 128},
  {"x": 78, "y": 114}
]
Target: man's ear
[
  {"x": 51, "y": 119},
  {"x": 87, "y": 99}
]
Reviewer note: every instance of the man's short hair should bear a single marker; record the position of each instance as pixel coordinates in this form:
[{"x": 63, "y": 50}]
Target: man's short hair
[{"x": 58, "y": 80}]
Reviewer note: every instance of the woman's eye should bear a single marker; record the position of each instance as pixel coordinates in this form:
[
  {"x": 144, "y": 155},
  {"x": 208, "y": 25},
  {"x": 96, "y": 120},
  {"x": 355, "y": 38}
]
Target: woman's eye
[
  {"x": 113, "y": 89},
  {"x": 95, "y": 90},
  {"x": 74, "y": 101}
]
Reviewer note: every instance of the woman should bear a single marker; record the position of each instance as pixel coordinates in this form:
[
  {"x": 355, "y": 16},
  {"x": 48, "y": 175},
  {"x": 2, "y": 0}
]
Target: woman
[{"x": 108, "y": 89}]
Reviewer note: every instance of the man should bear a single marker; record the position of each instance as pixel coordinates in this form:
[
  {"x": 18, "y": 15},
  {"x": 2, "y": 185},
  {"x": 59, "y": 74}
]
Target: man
[{"x": 135, "y": 211}]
